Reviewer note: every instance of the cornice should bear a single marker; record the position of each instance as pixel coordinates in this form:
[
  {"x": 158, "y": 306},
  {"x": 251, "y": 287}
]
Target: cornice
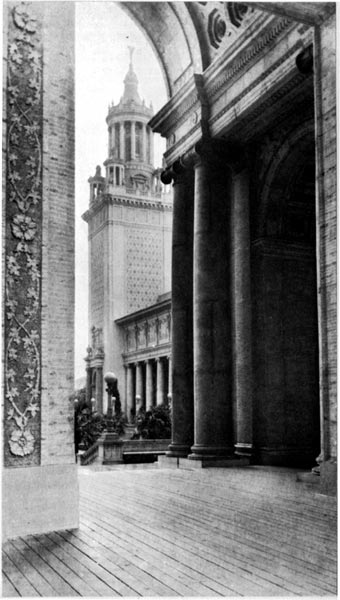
[
  {"x": 108, "y": 199},
  {"x": 182, "y": 145},
  {"x": 176, "y": 110},
  {"x": 147, "y": 353},
  {"x": 157, "y": 309}
]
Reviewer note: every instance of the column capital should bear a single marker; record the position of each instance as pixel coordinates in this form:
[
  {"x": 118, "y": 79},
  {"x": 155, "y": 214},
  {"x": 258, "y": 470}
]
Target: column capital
[{"x": 216, "y": 153}]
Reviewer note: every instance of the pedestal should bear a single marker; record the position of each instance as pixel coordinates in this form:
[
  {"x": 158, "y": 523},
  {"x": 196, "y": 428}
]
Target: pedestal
[{"x": 110, "y": 448}]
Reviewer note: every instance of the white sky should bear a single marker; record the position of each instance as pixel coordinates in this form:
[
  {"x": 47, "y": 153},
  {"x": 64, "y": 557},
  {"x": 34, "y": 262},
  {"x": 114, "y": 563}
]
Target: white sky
[{"x": 103, "y": 34}]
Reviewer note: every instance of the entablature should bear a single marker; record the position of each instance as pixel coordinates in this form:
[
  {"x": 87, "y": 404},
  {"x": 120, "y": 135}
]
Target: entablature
[{"x": 259, "y": 68}]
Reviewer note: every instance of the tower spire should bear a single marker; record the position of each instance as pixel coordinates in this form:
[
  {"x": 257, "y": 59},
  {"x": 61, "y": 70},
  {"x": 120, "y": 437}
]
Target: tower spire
[
  {"x": 131, "y": 82},
  {"x": 131, "y": 51}
]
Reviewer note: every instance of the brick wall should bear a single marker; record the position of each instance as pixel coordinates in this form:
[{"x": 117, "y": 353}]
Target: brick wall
[{"x": 58, "y": 236}]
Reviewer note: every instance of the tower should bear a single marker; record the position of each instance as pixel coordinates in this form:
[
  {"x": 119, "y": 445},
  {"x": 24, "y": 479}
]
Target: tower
[{"x": 129, "y": 220}]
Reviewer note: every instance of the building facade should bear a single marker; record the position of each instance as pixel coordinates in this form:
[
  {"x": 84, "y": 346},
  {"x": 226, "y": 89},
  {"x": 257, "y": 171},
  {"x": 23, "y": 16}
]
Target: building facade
[
  {"x": 129, "y": 220},
  {"x": 250, "y": 125}
]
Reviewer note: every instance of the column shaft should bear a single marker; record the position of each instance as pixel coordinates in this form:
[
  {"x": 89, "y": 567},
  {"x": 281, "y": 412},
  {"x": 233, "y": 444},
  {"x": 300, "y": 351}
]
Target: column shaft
[
  {"x": 121, "y": 141},
  {"x": 133, "y": 140},
  {"x": 160, "y": 382},
  {"x": 139, "y": 386},
  {"x": 88, "y": 383},
  {"x": 129, "y": 392},
  {"x": 151, "y": 146},
  {"x": 181, "y": 370},
  {"x": 144, "y": 141},
  {"x": 149, "y": 385},
  {"x": 241, "y": 313},
  {"x": 169, "y": 377},
  {"x": 212, "y": 335},
  {"x": 112, "y": 143},
  {"x": 99, "y": 390}
]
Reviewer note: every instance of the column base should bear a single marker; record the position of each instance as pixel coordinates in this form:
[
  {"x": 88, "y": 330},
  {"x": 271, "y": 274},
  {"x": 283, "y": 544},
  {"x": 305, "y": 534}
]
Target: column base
[
  {"x": 178, "y": 450},
  {"x": 244, "y": 449},
  {"x": 217, "y": 462},
  {"x": 200, "y": 452}
]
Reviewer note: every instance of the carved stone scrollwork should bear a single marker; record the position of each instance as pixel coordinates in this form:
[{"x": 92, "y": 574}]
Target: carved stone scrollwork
[
  {"x": 220, "y": 25},
  {"x": 236, "y": 12},
  {"x": 216, "y": 28},
  {"x": 23, "y": 239}
]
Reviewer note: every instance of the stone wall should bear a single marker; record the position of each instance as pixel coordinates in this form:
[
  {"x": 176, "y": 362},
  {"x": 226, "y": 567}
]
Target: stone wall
[{"x": 325, "y": 110}]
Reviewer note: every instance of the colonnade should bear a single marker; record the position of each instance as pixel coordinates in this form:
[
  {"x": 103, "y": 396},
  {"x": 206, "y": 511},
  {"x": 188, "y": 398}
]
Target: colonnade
[
  {"x": 211, "y": 310},
  {"x": 148, "y": 384},
  {"x": 131, "y": 140}
]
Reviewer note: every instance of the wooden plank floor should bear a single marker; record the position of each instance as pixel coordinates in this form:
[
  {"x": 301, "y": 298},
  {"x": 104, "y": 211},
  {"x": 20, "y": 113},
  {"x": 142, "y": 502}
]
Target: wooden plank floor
[{"x": 175, "y": 532}]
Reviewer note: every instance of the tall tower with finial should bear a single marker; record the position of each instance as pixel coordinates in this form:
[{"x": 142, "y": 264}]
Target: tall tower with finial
[
  {"x": 129, "y": 220},
  {"x": 130, "y": 147}
]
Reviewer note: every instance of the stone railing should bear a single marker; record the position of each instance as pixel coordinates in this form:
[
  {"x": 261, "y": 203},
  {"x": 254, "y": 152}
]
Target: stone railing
[
  {"x": 90, "y": 455},
  {"x": 129, "y": 448}
]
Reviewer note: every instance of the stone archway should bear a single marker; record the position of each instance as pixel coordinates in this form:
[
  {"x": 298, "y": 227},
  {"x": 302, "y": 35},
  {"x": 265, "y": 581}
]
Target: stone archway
[{"x": 288, "y": 425}]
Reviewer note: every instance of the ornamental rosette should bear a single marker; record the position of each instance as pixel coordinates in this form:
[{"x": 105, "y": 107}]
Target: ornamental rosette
[
  {"x": 23, "y": 227},
  {"x": 21, "y": 442},
  {"x": 23, "y": 236}
]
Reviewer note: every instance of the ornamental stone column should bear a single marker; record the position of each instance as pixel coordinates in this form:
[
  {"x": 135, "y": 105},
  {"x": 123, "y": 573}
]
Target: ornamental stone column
[
  {"x": 213, "y": 426},
  {"x": 144, "y": 143},
  {"x": 139, "y": 386},
  {"x": 88, "y": 380},
  {"x": 133, "y": 140},
  {"x": 149, "y": 384},
  {"x": 99, "y": 389},
  {"x": 122, "y": 141},
  {"x": 160, "y": 382},
  {"x": 241, "y": 312},
  {"x": 169, "y": 377},
  {"x": 150, "y": 137},
  {"x": 181, "y": 368},
  {"x": 129, "y": 392},
  {"x": 112, "y": 139}
]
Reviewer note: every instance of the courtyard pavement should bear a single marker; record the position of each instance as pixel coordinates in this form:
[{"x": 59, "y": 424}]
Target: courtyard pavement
[{"x": 250, "y": 531}]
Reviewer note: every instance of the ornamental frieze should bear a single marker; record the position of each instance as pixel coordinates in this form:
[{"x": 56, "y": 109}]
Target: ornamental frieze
[
  {"x": 23, "y": 239},
  {"x": 220, "y": 24},
  {"x": 147, "y": 332}
]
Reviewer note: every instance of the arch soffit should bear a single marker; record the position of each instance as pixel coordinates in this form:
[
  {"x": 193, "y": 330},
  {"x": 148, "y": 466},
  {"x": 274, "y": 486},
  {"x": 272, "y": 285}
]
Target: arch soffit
[
  {"x": 171, "y": 32},
  {"x": 294, "y": 144}
]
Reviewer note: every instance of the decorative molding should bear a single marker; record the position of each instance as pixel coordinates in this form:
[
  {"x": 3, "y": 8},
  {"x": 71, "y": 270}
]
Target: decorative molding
[
  {"x": 106, "y": 199},
  {"x": 281, "y": 92},
  {"x": 246, "y": 57},
  {"x": 23, "y": 239},
  {"x": 269, "y": 102},
  {"x": 169, "y": 154}
]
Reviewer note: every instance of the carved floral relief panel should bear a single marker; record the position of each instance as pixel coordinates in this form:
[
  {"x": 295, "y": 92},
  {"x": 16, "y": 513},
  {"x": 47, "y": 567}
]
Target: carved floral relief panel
[{"x": 23, "y": 239}]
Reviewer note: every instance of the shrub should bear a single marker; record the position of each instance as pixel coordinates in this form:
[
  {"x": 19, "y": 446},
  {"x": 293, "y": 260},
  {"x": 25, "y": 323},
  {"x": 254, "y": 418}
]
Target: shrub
[{"x": 154, "y": 424}]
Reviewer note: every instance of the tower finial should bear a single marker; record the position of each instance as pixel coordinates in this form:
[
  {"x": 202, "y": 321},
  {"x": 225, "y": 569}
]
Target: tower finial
[{"x": 131, "y": 50}]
